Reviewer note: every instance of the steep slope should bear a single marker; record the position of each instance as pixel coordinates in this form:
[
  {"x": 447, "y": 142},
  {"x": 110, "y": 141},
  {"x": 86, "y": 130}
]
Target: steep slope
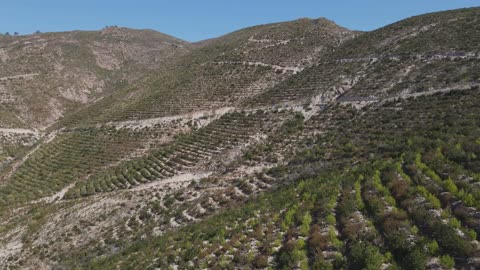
[
  {"x": 359, "y": 155},
  {"x": 422, "y": 54},
  {"x": 222, "y": 72},
  {"x": 45, "y": 76}
]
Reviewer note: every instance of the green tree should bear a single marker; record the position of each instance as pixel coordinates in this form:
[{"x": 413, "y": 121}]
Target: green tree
[
  {"x": 415, "y": 260},
  {"x": 366, "y": 256}
]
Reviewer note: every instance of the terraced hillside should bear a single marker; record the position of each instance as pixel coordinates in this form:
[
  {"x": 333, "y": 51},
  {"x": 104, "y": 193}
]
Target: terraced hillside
[
  {"x": 222, "y": 72},
  {"x": 420, "y": 55},
  {"x": 186, "y": 153},
  {"x": 46, "y": 76},
  {"x": 410, "y": 201},
  {"x": 298, "y": 145}
]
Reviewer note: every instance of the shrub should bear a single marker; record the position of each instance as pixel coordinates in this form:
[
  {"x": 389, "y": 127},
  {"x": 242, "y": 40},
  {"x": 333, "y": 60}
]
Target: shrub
[
  {"x": 415, "y": 260},
  {"x": 422, "y": 166},
  {"x": 333, "y": 238},
  {"x": 472, "y": 234},
  {"x": 433, "y": 247},
  {"x": 450, "y": 241},
  {"x": 316, "y": 241},
  {"x": 455, "y": 223},
  {"x": 450, "y": 186},
  {"x": 331, "y": 219},
  {"x": 366, "y": 256},
  {"x": 389, "y": 199},
  {"x": 400, "y": 171},
  {"x": 305, "y": 227},
  {"x": 447, "y": 261},
  {"x": 288, "y": 219},
  {"x": 434, "y": 201},
  {"x": 260, "y": 261},
  {"x": 321, "y": 264},
  {"x": 358, "y": 195}
]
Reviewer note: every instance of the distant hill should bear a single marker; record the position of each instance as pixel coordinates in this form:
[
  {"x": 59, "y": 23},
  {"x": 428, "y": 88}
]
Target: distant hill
[
  {"x": 222, "y": 72},
  {"x": 46, "y": 76}
]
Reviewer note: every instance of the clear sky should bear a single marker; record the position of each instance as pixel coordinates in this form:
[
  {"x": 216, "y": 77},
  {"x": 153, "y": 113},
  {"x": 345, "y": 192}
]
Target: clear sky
[{"x": 195, "y": 20}]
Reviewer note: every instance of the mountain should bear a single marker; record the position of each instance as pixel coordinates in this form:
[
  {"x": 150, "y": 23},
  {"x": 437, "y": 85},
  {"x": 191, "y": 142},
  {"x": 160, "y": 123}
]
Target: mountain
[
  {"x": 45, "y": 76},
  {"x": 417, "y": 55},
  {"x": 221, "y": 72},
  {"x": 294, "y": 145}
]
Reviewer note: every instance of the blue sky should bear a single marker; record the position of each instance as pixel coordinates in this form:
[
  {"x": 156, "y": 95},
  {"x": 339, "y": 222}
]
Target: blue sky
[{"x": 195, "y": 20}]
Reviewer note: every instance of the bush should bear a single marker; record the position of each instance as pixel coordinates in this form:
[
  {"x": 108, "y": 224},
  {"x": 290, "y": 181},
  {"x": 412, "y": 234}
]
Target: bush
[
  {"x": 321, "y": 264},
  {"x": 455, "y": 223},
  {"x": 358, "y": 195},
  {"x": 331, "y": 219},
  {"x": 472, "y": 234},
  {"x": 447, "y": 261},
  {"x": 450, "y": 186},
  {"x": 450, "y": 241},
  {"x": 306, "y": 221},
  {"x": 433, "y": 248},
  {"x": 415, "y": 260},
  {"x": 260, "y": 261},
  {"x": 317, "y": 242},
  {"x": 288, "y": 219},
  {"x": 366, "y": 256}
]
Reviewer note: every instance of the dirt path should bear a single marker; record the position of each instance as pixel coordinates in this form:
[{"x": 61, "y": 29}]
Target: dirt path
[
  {"x": 168, "y": 119},
  {"x": 187, "y": 177},
  {"x": 22, "y": 131},
  {"x": 295, "y": 70},
  {"x": 407, "y": 94},
  {"x": 21, "y": 76},
  {"x": 463, "y": 87},
  {"x": 424, "y": 56},
  {"x": 9, "y": 249},
  {"x": 276, "y": 41},
  {"x": 56, "y": 196},
  {"x": 17, "y": 164}
]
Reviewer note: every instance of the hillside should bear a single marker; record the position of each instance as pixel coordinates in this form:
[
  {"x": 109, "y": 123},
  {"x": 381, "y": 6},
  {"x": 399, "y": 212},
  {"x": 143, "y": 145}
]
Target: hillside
[
  {"x": 419, "y": 55},
  {"x": 294, "y": 145},
  {"x": 45, "y": 76},
  {"x": 221, "y": 72}
]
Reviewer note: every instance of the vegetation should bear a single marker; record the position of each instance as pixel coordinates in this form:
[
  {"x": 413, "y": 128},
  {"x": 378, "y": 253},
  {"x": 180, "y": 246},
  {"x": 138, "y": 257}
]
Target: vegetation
[{"x": 259, "y": 150}]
